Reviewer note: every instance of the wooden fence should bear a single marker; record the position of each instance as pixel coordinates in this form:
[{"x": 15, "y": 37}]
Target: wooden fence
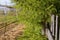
[{"x": 53, "y": 30}]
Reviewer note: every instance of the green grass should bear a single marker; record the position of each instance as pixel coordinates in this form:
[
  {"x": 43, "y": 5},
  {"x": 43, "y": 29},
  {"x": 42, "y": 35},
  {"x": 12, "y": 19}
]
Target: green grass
[{"x": 8, "y": 18}]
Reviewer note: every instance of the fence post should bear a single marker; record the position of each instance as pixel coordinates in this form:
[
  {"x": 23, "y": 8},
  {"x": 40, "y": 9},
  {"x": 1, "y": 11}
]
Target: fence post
[
  {"x": 5, "y": 23},
  {"x": 56, "y": 31},
  {"x": 52, "y": 24}
]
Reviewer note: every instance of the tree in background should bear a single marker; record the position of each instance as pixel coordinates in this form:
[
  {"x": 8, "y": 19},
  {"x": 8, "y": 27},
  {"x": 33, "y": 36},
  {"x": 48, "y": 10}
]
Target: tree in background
[{"x": 34, "y": 12}]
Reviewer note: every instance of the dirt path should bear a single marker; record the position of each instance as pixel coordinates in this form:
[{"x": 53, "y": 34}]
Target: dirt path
[{"x": 11, "y": 34}]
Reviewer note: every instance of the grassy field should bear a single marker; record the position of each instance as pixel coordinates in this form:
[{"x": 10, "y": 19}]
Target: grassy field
[{"x": 9, "y": 18}]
